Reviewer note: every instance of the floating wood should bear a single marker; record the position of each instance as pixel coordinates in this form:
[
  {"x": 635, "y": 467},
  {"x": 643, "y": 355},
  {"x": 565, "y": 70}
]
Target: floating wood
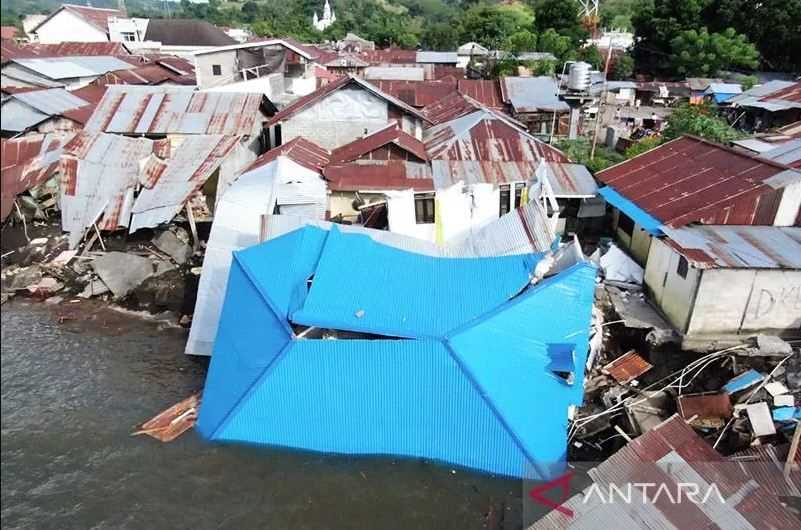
[{"x": 173, "y": 422}]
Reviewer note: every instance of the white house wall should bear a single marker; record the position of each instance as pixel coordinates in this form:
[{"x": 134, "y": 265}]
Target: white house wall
[
  {"x": 789, "y": 205},
  {"x": 672, "y": 293},
  {"x": 65, "y": 26},
  {"x": 271, "y": 85},
  {"x": 301, "y": 86},
  {"x": 203, "y": 68},
  {"x": 338, "y": 119},
  {"x": 747, "y": 301},
  {"x": 401, "y": 216}
]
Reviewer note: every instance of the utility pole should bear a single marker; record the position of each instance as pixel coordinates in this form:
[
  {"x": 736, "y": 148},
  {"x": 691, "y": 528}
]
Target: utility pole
[{"x": 599, "y": 115}]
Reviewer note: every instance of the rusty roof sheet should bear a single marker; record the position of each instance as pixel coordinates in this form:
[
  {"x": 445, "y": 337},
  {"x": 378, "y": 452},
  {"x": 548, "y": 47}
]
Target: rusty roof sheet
[
  {"x": 487, "y": 136},
  {"x": 671, "y": 454},
  {"x": 379, "y": 175},
  {"x": 572, "y": 181},
  {"x": 11, "y": 50},
  {"x": 8, "y": 32},
  {"x": 127, "y": 109},
  {"x": 627, "y": 367},
  {"x": 389, "y": 56},
  {"x": 417, "y": 93},
  {"x": 172, "y": 182},
  {"x": 791, "y": 94},
  {"x": 26, "y": 163},
  {"x": 305, "y": 152},
  {"x": 147, "y": 74},
  {"x": 486, "y": 92},
  {"x": 749, "y": 247},
  {"x": 692, "y": 180},
  {"x": 391, "y": 134},
  {"x": 98, "y": 175},
  {"x": 320, "y": 94},
  {"x": 449, "y": 108},
  {"x": 72, "y": 49},
  {"x": 705, "y": 406},
  {"x": 95, "y": 16}
]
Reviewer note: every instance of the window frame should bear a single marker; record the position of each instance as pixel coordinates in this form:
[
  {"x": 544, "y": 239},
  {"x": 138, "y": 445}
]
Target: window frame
[
  {"x": 682, "y": 267},
  {"x": 216, "y": 70},
  {"x": 424, "y": 209}
]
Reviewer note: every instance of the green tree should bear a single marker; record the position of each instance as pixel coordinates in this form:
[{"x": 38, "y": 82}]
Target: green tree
[
  {"x": 617, "y": 14},
  {"x": 623, "y": 68},
  {"x": 698, "y": 120},
  {"x": 656, "y": 23},
  {"x": 440, "y": 36},
  {"x": 560, "y": 46},
  {"x": 492, "y": 25},
  {"x": 561, "y": 15},
  {"x": 774, "y": 26},
  {"x": 700, "y": 53},
  {"x": 645, "y": 144},
  {"x": 591, "y": 54},
  {"x": 522, "y": 41}
]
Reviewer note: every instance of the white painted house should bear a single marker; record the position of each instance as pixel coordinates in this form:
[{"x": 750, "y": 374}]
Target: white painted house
[
  {"x": 71, "y": 23},
  {"x": 722, "y": 282}
]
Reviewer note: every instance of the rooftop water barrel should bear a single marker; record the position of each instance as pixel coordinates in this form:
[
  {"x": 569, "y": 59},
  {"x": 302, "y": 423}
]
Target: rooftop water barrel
[{"x": 578, "y": 79}]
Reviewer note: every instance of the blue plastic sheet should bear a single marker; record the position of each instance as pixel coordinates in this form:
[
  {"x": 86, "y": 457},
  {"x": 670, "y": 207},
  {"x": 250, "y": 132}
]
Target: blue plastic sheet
[{"x": 648, "y": 222}]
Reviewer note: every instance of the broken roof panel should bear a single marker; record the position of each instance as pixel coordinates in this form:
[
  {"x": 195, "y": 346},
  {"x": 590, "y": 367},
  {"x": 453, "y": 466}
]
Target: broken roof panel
[
  {"x": 788, "y": 153},
  {"x": 302, "y": 151},
  {"x": 26, "y": 163},
  {"x": 127, "y": 109},
  {"x": 24, "y": 110},
  {"x": 748, "y": 247},
  {"x": 476, "y": 425},
  {"x": 772, "y": 96},
  {"x": 533, "y": 94},
  {"x": 192, "y": 163},
  {"x": 437, "y": 57},
  {"x": 693, "y": 180}
]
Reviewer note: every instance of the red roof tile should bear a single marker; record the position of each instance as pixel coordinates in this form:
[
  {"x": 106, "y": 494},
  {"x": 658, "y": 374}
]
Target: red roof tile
[
  {"x": 392, "y": 134},
  {"x": 303, "y": 151},
  {"x": 692, "y": 180}
]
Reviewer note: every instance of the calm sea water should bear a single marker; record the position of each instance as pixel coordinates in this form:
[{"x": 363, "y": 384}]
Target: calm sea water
[{"x": 77, "y": 379}]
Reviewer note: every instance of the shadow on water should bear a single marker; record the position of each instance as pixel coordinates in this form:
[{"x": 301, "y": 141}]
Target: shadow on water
[{"x": 77, "y": 379}]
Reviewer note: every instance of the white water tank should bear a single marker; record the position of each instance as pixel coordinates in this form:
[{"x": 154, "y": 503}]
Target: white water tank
[{"x": 578, "y": 79}]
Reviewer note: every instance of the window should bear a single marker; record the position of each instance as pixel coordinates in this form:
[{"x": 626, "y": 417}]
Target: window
[
  {"x": 216, "y": 69},
  {"x": 128, "y": 36},
  {"x": 505, "y": 199},
  {"x": 424, "y": 208},
  {"x": 681, "y": 269},
  {"x": 625, "y": 223},
  {"x": 518, "y": 193}
]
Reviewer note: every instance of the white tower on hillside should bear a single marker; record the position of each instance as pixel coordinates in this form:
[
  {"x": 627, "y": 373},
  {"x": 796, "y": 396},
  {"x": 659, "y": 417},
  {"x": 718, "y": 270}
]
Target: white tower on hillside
[{"x": 329, "y": 17}]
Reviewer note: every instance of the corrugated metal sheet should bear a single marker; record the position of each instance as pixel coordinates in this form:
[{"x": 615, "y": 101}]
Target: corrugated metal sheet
[
  {"x": 705, "y": 406},
  {"x": 570, "y": 181},
  {"x": 26, "y": 163},
  {"x": 57, "y": 68},
  {"x": 192, "y": 163},
  {"x": 449, "y": 108},
  {"x": 52, "y": 101},
  {"x": 99, "y": 173},
  {"x": 303, "y": 151},
  {"x": 391, "y": 134},
  {"x": 764, "y": 96},
  {"x": 379, "y": 175},
  {"x": 533, "y": 94},
  {"x": 692, "y": 180},
  {"x": 672, "y": 454},
  {"x": 487, "y": 137},
  {"x": 418, "y": 93},
  {"x": 481, "y": 424},
  {"x": 175, "y": 110},
  {"x": 486, "y": 92},
  {"x": 750, "y": 247},
  {"x": 627, "y": 367},
  {"x": 71, "y": 49},
  {"x": 393, "y": 73},
  {"x": 788, "y": 153},
  {"x": 389, "y": 56},
  {"x": 437, "y": 57}
]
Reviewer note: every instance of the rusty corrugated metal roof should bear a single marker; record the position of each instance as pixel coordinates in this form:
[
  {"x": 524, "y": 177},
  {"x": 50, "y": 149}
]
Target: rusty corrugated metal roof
[
  {"x": 791, "y": 94},
  {"x": 8, "y": 32},
  {"x": 305, "y": 152},
  {"x": 692, "y": 180},
  {"x": 379, "y": 175},
  {"x": 417, "y": 93},
  {"x": 390, "y": 56},
  {"x": 26, "y": 163},
  {"x": 148, "y": 74},
  {"x": 628, "y": 366},
  {"x": 749, "y": 247},
  {"x": 449, "y": 108},
  {"x": 487, "y": 136},
  {"x": 127, "y": 109},
  {"x": 391, "y": 134},
  {"x": 74, "y": 49},
  {"x": 485, "y": 91},
  {"x": 749, "y": 504}
]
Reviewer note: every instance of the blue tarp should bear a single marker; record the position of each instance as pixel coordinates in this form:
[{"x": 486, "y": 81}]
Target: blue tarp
[
  {"x": 476, "y": 383},
  {"x": 648, "y": 222}
]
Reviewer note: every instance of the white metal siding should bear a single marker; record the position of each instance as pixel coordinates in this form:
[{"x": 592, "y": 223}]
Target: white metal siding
[{"x": 672, "y": 293}]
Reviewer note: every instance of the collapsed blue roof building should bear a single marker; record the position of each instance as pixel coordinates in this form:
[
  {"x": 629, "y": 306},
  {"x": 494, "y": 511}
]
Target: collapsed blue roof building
[{"x": 460, "y": 360}]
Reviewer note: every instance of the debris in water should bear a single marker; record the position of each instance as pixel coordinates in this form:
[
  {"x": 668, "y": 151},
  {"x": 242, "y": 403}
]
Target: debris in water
[{"x": 173, "y": 422}]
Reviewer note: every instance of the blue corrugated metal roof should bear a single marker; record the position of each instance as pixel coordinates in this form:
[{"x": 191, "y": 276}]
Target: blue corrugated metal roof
[
  {"x": 649, "y": 223},
  {"x": 485, "y": 396},
  {"x": 438, "y": 294}
]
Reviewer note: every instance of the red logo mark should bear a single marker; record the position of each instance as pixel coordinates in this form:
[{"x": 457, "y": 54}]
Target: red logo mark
[{"x": 562, "y": 482}]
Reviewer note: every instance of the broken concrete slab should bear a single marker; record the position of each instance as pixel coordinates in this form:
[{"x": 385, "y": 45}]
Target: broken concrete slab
[
  {"x": 171, "y": 244},
  {"x": 21, "y": 278},
  {"x": 770, "y": 345},
  {"x": 122, "y": 272},
  {"x": 45, "y": 287},
  {"x": 63, "y": 258},
  {"x": 165, "y": 290}
]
